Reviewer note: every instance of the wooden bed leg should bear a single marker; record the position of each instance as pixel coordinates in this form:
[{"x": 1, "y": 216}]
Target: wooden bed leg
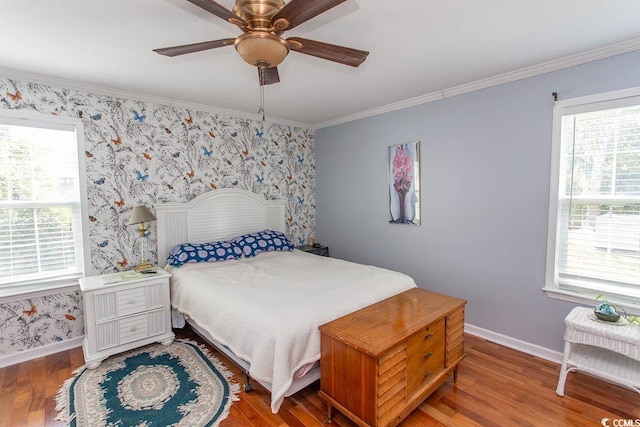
[
  {"x": 329, "y": 412},
  {"x": 455, "y": 374},
  {"x": 248, "y": 385}
]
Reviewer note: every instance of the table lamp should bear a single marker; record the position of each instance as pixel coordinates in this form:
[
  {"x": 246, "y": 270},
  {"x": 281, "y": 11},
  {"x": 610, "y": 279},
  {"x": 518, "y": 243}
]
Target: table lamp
[{"x": 140, "y": 215}]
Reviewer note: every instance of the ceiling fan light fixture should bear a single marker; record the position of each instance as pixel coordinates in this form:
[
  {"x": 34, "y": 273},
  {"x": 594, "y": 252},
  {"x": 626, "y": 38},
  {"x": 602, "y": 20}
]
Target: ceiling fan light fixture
[
  {"x": 262, "y": 49},
  {"x": 262, "y": 45}
]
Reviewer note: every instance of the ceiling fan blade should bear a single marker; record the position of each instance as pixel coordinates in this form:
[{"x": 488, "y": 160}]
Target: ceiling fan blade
[
  {"x": 268, "y": 76},
  {"x": 298, "y": 11},
  {"x": 332, "y": 52},
  {"x": 195, "y": 47},
  {"x": 220, "y": 11}
]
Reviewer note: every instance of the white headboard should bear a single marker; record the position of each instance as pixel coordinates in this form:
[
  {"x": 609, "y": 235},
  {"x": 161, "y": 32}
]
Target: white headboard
[{"x": 215, "y": 215}]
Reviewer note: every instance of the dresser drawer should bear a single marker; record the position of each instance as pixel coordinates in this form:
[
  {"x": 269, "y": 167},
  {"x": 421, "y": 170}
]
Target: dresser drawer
[
  {"x": 425, "y": 355},
  {"x": 427, "y": 338}
]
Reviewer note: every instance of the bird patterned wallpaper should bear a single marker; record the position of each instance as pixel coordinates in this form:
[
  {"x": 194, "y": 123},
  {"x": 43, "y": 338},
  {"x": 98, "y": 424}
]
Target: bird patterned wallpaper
[{"x": 138, "y": 153}]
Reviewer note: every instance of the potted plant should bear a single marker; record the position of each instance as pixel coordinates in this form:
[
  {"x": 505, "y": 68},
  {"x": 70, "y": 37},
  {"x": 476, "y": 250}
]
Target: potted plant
[{"x": 610, "y": 313}]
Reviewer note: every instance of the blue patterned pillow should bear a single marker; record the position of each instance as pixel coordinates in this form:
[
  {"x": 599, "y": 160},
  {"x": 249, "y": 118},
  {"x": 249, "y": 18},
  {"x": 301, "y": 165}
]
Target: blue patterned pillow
[
  {"x": 263, "y": 241},
  {"x": 203, "y": 252}
]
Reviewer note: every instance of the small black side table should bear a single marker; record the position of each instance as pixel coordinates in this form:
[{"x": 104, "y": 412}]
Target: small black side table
[{"x": 321, "y": 250}]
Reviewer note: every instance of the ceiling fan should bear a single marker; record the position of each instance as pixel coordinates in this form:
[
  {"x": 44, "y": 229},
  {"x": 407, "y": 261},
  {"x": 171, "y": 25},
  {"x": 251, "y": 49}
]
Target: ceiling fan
[{"x": 262, "y": 44}]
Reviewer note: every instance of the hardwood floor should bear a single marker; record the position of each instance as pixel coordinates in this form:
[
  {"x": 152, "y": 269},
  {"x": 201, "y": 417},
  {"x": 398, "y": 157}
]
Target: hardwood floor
[{"x": 496, "y": 386}]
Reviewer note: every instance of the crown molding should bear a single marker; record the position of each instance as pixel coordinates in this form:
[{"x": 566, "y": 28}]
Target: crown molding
[
  {"x": 139, "y": 96},
  {"x": 523, "y": 73}
]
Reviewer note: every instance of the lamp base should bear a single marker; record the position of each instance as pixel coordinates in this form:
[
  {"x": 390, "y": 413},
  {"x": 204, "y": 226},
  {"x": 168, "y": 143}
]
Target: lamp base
[{"x": 143, "y": 266}]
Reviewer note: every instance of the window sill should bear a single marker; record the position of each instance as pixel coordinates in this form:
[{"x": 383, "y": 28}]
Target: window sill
[
  {"x": 589, "y": 298},
  {"x": 21, "y": 292}
]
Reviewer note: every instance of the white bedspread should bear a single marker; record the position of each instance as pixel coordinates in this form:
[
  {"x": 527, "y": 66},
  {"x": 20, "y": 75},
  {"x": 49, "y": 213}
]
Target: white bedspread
[{"x": 267, "y": 309}]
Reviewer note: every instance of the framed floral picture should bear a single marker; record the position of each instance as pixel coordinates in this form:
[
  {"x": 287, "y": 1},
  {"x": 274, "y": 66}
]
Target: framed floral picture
[{"x": 404, "y": 183}]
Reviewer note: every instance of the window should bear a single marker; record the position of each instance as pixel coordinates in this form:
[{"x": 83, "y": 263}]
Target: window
[
  {"x": 594, "y": 217},
  {"x": 42, "y": 201}
]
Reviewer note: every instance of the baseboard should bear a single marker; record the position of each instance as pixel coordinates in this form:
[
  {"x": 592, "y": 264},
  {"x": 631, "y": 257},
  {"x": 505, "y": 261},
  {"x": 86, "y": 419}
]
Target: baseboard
[
  {"x": 514, "y": 343},
  {"x": 45, "y": 350},
  {"x": 507, "y": 341}
]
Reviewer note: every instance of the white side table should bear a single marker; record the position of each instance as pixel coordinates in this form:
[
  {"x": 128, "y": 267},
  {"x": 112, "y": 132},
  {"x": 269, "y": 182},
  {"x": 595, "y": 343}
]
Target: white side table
[
  {"x": 123, "y": 311},
  {"x": 607, "y": 351}
]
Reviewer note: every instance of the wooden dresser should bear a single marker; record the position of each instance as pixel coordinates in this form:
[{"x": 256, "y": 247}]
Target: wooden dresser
[{"x": 379, "y": 363}]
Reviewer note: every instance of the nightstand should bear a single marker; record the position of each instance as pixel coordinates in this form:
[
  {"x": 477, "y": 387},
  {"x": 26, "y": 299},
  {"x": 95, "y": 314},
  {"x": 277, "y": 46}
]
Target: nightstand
[
  {"x": 321, "y": 250},
  {"x": 123, "y": 311},
  {"x": 601, "y": 349}
]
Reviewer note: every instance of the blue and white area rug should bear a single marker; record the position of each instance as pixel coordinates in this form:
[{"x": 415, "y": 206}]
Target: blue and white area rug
[{"x": 176, "y": 385}]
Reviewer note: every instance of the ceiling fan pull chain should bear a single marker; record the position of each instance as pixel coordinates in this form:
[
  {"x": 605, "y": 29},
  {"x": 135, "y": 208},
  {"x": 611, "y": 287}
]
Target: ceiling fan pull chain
[{"x": 261, "y": 110}]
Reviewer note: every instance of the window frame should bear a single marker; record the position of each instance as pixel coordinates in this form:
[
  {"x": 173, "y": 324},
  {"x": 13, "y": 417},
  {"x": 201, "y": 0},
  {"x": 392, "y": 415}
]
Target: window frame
[
  {"x": 34, "y": 119},
  {"x": 628, "y": 298}
]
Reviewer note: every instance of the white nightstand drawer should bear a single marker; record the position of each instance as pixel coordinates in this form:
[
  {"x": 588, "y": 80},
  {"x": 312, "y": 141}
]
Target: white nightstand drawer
[
  {"x": 133, "y": 328},
  {"x": 131, "y": 301}
]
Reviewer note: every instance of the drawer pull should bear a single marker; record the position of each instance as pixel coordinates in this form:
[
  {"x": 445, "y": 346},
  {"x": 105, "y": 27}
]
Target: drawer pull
[
  {"x": 428, "y": 336},
  {"x": 132, "y": 301},
  {"x": 133, "y": 329},
  {"x": 428, "y": 375},
  {"x": 428, "y": 355}
]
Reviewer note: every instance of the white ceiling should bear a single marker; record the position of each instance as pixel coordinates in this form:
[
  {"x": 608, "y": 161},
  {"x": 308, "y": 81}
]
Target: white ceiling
[{"x": 417, "y": 47}]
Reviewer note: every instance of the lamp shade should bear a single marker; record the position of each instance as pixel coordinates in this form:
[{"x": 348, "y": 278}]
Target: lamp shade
[
  {"x": 141, "y": 214},
  {"x": 262, "y": 49}
]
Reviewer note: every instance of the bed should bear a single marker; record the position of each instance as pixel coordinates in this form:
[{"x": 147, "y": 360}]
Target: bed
[{"x": 263, "y": 312}]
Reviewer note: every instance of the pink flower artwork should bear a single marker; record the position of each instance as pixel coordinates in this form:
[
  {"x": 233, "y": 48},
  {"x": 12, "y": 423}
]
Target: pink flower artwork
[
  {"x": 402, "y": 169},
  {"x": 404, "y": 196}
]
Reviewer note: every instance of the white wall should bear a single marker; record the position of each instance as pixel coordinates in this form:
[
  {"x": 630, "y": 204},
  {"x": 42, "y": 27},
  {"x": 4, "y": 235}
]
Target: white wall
[{"x": 485, "y": 159}]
